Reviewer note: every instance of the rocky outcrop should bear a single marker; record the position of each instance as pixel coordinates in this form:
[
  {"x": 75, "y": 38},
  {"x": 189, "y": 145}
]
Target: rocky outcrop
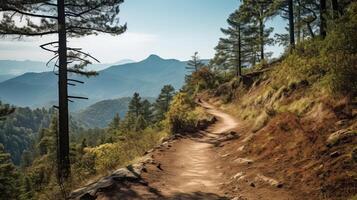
[{"x": 130, "y": 173}]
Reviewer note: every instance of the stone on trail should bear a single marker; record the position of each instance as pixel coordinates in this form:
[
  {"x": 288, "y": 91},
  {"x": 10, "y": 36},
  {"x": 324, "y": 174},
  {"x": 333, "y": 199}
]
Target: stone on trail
[
  {"x": 243, "y": 161},
  {"x": 130, "y": 173},
  {"x": 269, "y": 181}
]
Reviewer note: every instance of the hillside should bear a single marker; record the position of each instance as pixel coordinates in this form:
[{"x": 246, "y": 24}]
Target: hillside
[
  {"x": 4, "y": 77},
  {"x": 102, "y": 113},
  {"x": 281, "y": 143},
  {"x": 146, "y": 77}
]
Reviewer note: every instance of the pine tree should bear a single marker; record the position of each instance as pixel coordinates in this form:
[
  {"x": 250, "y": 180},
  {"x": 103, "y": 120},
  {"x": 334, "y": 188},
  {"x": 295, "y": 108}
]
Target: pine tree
[
  {"x": 258, "y": 12},
  {"x": 140, "y": 123},
  {"x": 65, "y": 18},
  {"x": 195, "y": 63},
  {"x": 163, "y": 101},
  {"x": 9, "y": 177},
  {"x": 27, "y": 192},
  {"x": 135, "y": 105},
  {"x": 233, "y": 44},
  {"x": 115, "y": 123},
  {"x": 147, "y": 111},
  {"x": 219, "y": 61},
  {"x": 5, "y": 110}
]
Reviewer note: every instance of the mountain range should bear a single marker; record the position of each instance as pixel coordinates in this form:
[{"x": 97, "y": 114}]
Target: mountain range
[
  {"x": 12, "y": 68},
  {"x": 146, "y": 77}
]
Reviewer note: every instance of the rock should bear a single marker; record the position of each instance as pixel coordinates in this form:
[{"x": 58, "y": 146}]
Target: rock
[
  {"x": 243, "y": 161},
  {"x": 130, "y": 173},
  {"x": 269, "y": 181},
  {"x": 148, "y": 160},
  {"x": 219, "y": 145},
  {"x": 252, "y": 184},
  {"x": 225, "y": 155},
  {"x": 238, "y": 176},
  {"x": 239, "y": 198},
  {"x": 241, "y": 148},
  {"x": 159, "y": 166},
  {"x": 233, "y": 133},
  {"x": 147, "y": 152},
  {"x": 335, "y": 154},
  {"x": 230, "y": 136},
  {"x": 338, "y": 136}
]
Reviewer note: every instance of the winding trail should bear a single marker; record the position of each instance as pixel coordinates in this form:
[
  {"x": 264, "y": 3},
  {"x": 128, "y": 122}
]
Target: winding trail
[{"x": 189, "y": 168}]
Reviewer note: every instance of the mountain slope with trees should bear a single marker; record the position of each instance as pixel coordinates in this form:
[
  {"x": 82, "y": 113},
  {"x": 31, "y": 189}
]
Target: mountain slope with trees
[{"x": 104, "y": 111}]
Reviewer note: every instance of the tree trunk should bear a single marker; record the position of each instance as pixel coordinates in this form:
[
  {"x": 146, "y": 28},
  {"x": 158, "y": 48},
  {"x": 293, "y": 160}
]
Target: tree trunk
[
  {"x": 298, "y": 24},
  {"x": 291, "y": 24},
  {"x": 239, "y": 70},
  {"x": 63, "y": 133},
  {"x": 261, "y": 32},
  {"x": 322, "y": 18},
  {"x": 335, "y": 9}
]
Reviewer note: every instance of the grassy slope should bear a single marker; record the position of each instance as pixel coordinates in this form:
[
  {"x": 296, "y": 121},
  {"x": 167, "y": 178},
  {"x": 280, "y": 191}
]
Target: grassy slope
[{"x": 290, "y": 126}]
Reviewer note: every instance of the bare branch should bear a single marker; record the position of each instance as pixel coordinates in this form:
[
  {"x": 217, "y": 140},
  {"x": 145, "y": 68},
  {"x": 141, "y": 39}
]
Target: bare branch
[
  {"x": 74, "y": 80},
  {"x": 76, "y": 97},
  {"x": 28, "y": 14},
  {"x": 12, "y": 32}
]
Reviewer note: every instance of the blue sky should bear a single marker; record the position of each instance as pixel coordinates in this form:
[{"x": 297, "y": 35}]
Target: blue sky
[{"x": 169, "y": 28}]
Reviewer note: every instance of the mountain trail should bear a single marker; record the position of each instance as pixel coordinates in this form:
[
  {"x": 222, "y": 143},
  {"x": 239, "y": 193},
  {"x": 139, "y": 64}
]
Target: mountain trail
[
  {"x": 185, "y": 168},
  {"x": 190, "y": 167}
]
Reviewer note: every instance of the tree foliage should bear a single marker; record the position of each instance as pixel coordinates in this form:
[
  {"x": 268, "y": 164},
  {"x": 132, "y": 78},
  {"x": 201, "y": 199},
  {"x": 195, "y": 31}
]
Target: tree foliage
[
  {"x": 163, "y": 101},
  {"x": 195, "y": 63},
  {"x": 9, "y": 177}
]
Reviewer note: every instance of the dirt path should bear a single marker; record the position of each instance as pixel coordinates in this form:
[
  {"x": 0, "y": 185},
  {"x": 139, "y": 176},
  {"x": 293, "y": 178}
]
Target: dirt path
[{"x": 189, "y": 167}]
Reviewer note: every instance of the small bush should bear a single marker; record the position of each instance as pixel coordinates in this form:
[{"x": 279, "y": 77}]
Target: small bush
[
  {"x": 113, "y": 155},
  {"x": 183, "y": 116}
]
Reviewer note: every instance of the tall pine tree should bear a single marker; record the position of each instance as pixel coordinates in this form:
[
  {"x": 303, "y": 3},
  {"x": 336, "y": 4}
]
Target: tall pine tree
[
  {"x": 195, "y": 63},
  {"x": 163, "y": 101}
]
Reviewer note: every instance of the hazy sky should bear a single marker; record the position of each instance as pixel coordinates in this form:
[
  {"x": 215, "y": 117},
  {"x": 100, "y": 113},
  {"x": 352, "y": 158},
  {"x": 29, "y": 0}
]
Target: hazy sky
[{"x": 168, "y": 28}]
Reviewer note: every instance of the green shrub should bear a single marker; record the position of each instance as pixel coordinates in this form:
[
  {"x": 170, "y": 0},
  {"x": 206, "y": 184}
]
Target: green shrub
[
  {"x": 110, "y": 156},
  {"x": 180, "y": 117}
]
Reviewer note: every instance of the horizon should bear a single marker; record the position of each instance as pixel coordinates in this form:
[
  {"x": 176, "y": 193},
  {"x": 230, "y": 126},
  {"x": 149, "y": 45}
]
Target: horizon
[{"x": 123, "y": 59}]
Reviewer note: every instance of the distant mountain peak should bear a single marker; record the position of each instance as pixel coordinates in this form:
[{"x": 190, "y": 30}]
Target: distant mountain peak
[{"x": 154, "y": 57}]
